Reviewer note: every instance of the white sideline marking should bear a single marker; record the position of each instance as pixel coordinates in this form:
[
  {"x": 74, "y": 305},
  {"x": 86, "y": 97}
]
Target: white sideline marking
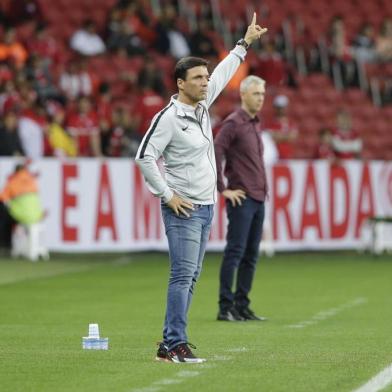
[
  {"x": 188, "y": 373},
  {"x": 43, "y": 274},
  {"x": 159, "y": 384},
  {"x": 147, "y": 389},
  {"x": 378, "y": 382},
  {"x": 237, "y": 350},
  {"x": 324, "y": 314},
  {"x": 180, "y": 377},
  {"x": 168, "y": 381},
  {"x": 64, "y": 270},
  {"x": 221, "y": 358},
  {"x": 124, "y": 260}
]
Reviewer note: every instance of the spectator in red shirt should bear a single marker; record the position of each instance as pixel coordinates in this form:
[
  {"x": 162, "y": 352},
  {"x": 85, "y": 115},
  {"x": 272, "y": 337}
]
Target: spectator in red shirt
[
  {"x": 6, "y": 73},
  {"x": 282, "y": 129},
  {"x": 324, "y": 148},
  {"x": 83, "y": 126},
  {"x": 346, "y": 142},
  {"x": 104, "y": 107},
  {"x": 149, "y": 104},
  {"x": 270, "y": 65},
  {"x": 44, "y": 45},
  {"x": 150, "y": 101},
  {"x": 9, "y": 96},
  {"x": 139, "y": 17}
]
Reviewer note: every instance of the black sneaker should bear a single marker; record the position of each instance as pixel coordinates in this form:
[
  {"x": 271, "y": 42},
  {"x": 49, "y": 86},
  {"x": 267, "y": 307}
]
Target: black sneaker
[
  {"x": 230, "y": 315},
  {"x": 182, "y": 353},
  {"x": 248, "y": 314},
  {"x": 162, "y": 352}
]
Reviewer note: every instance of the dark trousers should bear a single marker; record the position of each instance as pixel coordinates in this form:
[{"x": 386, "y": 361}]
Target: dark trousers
[
  {"x": 6, "y": 223},
  {"x": 242, "y": 249}
]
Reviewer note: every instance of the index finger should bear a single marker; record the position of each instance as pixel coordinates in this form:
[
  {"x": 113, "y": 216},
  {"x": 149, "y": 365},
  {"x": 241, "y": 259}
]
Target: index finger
[{"x": 253, "y": 23}]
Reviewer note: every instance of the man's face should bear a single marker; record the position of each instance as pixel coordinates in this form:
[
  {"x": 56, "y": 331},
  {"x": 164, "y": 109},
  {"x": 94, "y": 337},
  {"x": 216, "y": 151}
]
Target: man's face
[
  {"x": 11, "y": 121},
  {"x": 84, "y": 106},
  {"x": 253, "y": 97},
  {"x": 196, "y": 84},
  {"x": 344, "y": 121}
]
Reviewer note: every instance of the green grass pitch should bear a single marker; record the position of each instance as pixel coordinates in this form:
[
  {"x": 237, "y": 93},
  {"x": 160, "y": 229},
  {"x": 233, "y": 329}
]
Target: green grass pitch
[{"x": 329, "y": 328}]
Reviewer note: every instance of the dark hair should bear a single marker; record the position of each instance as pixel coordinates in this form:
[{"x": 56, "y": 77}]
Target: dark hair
[
  {"x": 87, "y": 23},
  {"x": 186, "y": 63},
  {"x": 324, "y": 131},
  {"x": 40, "y": 26},
  {"x": 104, "y": 88}
]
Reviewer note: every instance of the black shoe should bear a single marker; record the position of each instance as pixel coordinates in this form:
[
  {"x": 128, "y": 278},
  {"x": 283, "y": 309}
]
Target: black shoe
[
  {"x": 162, "y": 352},
  {"x": 182, "y": 353},
  {"x": 248, "y": 314},
  {"x": 230, "y": 315}
]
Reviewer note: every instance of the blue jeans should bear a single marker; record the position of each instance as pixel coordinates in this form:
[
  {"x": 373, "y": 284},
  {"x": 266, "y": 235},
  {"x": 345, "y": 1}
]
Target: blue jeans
[
  {"x": 187, "y": 239},
  {"x": 242, "y": 249}
]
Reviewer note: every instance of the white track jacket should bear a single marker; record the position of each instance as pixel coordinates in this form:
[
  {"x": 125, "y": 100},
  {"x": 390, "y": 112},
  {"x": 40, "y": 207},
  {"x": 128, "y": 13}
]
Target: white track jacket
[{"x": 182, "y": 135}]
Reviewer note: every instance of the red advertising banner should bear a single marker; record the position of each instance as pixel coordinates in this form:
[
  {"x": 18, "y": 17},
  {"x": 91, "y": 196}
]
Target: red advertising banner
[{"x": 104, "y": 205}]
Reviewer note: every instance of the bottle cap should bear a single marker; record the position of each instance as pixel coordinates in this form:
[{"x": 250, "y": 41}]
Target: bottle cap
[{"x": 93, "y": 331}]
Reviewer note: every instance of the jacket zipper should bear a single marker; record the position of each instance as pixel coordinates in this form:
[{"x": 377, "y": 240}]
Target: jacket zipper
[{"x": 212, "y": 166}]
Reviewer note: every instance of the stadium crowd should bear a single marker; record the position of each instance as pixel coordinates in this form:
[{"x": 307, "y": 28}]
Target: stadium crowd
[{"x": 90, "y": 87}]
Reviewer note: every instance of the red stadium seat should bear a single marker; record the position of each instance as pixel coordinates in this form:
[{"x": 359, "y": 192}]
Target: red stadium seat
[
  {"x": 333, "y": 96},
  {"x": 355, "y": 96},
  {"x": 324, "y": 112},
  {"x": 318, "y": 80}
]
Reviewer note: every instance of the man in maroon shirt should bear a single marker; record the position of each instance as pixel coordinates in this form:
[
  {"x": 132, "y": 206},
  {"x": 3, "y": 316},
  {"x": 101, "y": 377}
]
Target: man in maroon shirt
[{"x": 239, "y": 144}]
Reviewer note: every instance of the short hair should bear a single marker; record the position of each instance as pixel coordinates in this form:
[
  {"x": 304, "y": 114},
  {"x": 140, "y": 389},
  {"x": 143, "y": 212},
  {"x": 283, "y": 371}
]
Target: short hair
[
  {"x": 186, "y": 63},
  {"x": 249, "y": 80}
]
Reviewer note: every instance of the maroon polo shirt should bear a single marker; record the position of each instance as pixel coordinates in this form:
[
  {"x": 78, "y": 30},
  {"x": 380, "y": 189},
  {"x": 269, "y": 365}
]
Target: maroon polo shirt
[{"x": 239, "y": 144}]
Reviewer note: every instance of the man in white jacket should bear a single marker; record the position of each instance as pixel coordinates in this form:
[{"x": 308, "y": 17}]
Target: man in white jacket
[{"x": 181, "y": 133}]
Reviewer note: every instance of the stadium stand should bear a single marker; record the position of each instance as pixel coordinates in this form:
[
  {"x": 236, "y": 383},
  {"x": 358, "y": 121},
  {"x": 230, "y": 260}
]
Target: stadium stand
[{"x": 323, "y": 57}]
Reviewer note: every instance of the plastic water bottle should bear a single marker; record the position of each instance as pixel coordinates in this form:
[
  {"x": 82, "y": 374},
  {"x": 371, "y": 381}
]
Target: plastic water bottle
[{"x": 93, "y": 341}]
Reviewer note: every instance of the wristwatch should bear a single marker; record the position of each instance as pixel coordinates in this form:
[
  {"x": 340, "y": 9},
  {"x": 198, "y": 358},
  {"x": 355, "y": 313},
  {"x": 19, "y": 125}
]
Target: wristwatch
[{"x": 243, "y": 43}]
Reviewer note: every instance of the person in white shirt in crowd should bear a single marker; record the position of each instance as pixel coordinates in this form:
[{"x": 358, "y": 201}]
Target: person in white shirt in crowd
[
  {"x": 270, "y": 156},
  {"x": 86, "y": 41},
  {"x": 75, "y": 81},
  {"x": 346, "y": 141},
  {"x": 32, "y": 126}
]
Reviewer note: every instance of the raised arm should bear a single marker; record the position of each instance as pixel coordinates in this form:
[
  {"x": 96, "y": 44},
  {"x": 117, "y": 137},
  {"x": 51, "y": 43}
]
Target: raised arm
[{"x": 225, "y": 70}]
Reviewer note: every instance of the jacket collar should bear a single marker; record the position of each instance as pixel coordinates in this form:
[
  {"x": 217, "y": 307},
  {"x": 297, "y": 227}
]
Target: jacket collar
[
  {"x": 184, "y": 110},
  {"x": 245, "y": 116}
]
